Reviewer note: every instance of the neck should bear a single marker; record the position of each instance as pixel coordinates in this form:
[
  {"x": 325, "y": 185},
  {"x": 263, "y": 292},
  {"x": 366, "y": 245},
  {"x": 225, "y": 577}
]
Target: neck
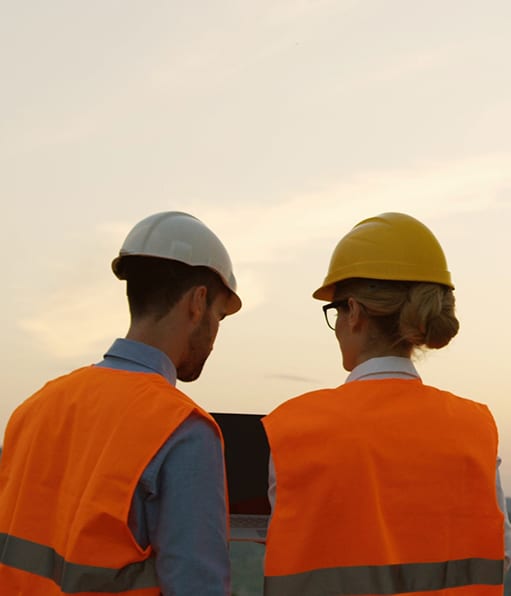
[
  {"x": 165, "y": 334},
  {"x": 375, "y": 349}
]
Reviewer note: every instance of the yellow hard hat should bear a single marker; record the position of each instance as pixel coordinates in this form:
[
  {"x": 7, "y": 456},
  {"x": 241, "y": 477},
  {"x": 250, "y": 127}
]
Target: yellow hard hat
[{"x": 390, "y": 246}]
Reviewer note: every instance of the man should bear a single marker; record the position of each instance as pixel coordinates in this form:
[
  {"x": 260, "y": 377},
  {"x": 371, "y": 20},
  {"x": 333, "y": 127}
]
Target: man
[{"x": 112, "y": 480}]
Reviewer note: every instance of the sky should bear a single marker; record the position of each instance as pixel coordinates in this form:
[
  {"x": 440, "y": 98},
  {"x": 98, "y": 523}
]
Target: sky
[{"x": 280, "y": 124}]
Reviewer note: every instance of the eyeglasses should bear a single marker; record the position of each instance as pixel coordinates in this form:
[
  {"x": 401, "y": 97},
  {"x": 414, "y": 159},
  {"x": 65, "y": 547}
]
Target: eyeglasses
[{"x": 331, "y": 310}]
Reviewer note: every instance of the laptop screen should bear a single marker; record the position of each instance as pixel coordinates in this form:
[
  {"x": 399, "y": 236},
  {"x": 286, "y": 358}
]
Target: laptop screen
[{"x": 246, "y": 461}]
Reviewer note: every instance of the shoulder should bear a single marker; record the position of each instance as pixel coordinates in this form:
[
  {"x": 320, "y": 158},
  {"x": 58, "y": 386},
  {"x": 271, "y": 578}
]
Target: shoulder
[
  {"x": 196, "y": 432},
  {"x": 195, "y": 443},
  {"x": 198, "y": 428},
  {"x": 458, "y": 400},
  {"x": 462, "y": 409}
]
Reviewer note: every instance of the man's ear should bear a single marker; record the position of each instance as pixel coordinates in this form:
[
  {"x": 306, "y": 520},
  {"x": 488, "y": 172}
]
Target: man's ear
[{"x": 197, "y": 302}]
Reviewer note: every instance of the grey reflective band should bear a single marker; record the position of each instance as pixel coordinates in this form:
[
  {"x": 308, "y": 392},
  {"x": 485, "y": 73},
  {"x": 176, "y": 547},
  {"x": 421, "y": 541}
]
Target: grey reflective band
[
  {"x": 71, "y": 577},
  {"x": 387, "y": 579}
]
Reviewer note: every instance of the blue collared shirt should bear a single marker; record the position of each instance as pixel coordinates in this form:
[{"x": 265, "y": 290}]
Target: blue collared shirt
[{"x": 179, "y": 503}]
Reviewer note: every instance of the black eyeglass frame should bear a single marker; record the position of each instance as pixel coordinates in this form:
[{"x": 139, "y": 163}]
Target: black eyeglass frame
[{"x": 331, "y": 305}]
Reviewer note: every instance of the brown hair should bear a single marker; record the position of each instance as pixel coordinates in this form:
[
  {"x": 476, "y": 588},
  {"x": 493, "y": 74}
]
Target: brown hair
[
  {"x": 408, "y": 314},
  {"x": 155, "y": 285}
]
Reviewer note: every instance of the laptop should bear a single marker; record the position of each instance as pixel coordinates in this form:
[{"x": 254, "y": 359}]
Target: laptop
[{"x": 246, "y": 461}]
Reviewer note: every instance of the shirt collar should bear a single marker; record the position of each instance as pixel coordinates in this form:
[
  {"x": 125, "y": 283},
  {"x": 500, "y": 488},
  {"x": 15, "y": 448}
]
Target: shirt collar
[
  {"x": 386, "y": 367},
  {"x": 144, "y": 356}
]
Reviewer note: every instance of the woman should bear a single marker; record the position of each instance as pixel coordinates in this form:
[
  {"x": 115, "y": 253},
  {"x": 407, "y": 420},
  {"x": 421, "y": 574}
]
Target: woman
[{"x": 384, "y": 485}]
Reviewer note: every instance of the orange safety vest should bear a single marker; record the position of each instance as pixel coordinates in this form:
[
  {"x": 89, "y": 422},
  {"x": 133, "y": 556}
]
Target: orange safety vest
[
  {"x": 72, "y": 458},
  {"x": 384, "y": 487}
]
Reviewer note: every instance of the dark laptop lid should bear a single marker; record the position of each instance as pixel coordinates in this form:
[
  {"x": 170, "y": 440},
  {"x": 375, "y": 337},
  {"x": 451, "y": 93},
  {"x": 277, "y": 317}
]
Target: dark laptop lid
[{"x": 246, "y": 459}]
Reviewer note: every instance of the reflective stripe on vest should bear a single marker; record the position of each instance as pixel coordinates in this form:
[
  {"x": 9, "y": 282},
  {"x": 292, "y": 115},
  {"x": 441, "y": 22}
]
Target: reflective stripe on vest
[
  {"x": 387, "y": 579},
  {"x": 73, "y": 578}
]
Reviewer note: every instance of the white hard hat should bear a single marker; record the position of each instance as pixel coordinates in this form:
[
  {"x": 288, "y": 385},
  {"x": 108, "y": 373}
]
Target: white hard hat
[{"x": 180, "y": 237}]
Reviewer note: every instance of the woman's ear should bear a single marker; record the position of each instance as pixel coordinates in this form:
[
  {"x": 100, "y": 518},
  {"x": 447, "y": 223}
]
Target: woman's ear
[{"x": 356, "y": 314}]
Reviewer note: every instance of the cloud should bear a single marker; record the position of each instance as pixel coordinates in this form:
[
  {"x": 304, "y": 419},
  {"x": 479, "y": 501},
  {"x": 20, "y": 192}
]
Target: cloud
[
  {"x": 405, "y": 66},
  {"x": 80, "y": 316},
  {"x": 296, "y": 378},
  {"x": 273, "y": 232},
  {"x": 77, "y": 321},
  {"x": 85, "y": 307},
  {"x": 262, "y": 236}
]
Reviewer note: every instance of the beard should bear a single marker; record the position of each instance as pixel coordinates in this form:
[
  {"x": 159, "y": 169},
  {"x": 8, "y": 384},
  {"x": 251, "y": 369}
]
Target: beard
[{"x": 200, "y": 345}]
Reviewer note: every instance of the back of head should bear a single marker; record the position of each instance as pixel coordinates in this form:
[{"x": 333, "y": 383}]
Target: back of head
[
  {"x": 170, "y": 252},
  {"x": 155, "y": 285},
  {"x": 407, "y": 315},
  {"x": 394, "y": 266}
]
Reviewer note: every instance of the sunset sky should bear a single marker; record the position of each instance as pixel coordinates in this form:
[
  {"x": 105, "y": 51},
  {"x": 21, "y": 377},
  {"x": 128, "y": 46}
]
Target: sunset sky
[{"x": 280, "y": 124}]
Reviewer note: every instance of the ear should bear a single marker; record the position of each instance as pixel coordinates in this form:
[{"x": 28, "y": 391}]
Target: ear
[
  {"x": 197, "y": 303},
  {"x": 356, "y": 315}
]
